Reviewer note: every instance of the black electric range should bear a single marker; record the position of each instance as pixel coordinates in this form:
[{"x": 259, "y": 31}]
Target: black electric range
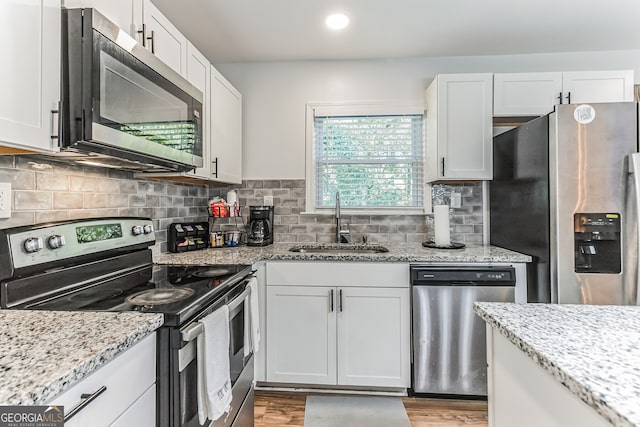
[
  {"x": 179, "y": 292},
  {"x": 105, "y": 265}
]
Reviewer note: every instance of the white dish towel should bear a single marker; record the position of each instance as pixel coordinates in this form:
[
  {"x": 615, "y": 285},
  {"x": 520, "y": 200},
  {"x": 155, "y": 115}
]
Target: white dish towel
[
  {"x": 251, "y": 319},
  {"x": 214, "y": 380}
]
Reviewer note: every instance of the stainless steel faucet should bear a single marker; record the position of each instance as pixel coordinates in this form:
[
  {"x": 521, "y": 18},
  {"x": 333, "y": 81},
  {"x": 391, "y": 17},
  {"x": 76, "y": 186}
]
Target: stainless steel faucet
[{"x": 342, "y": 235}]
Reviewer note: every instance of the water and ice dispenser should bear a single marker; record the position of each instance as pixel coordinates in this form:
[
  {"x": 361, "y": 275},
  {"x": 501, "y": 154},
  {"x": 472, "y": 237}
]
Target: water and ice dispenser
[{"x": 597, "y": 245}]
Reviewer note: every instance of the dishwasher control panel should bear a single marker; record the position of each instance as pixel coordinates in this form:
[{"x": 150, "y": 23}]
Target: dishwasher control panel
[{"x": 464, "y": 275}]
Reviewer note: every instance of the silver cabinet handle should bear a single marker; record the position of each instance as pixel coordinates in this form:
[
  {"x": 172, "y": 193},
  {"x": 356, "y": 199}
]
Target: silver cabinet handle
[
  {"x": 143, "y": 31},
  {"x": 331, "y": 301},
  {"x": 54, "y": 133},
  {"x": 340, "y": 300},
  {"x": 443, "y": 166},
  {"x": 86, "y": 399}
]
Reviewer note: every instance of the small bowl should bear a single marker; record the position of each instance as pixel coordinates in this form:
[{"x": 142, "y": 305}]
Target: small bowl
[{"x": 232, "y": 238}]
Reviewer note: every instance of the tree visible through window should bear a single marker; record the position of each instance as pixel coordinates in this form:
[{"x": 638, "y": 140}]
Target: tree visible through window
[{"x": 373, "y": 161}]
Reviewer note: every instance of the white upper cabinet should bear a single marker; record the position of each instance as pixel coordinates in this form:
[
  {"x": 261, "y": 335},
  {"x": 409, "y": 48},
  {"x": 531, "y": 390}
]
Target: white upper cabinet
[
  {"x": 524, "y": 94},
  {"x": 226, "y": 130},
  {"x": 144, "y": 22},
  {"x": 198, "y": 74},
  {"x": 30, "y": 75},
  {"x": 120, "y": 12},
  {"x": 160, "y": 36},
  {"x": 459, "y": 127},
  {"x": 597, "y": 86}
]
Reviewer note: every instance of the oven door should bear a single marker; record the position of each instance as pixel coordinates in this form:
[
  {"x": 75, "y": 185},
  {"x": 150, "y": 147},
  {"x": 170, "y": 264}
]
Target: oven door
[{"x": 241, "y": 367}]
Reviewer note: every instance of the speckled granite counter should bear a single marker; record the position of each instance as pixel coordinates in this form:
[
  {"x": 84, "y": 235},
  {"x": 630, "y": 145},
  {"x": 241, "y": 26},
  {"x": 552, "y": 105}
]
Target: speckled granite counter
[
  {"x": 594, "y": 351},
  {"x": 408, "y": 252},
  {"x": 43, "y": 353}
]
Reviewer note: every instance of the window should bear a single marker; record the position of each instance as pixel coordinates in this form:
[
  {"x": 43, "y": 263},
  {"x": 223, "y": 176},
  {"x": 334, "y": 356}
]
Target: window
[{"x": 375, "y": 161}]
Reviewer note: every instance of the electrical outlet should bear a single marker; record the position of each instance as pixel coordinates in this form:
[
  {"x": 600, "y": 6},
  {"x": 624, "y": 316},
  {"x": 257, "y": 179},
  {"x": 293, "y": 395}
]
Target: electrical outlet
[
  {"x": 268, "y": 201},
  {"x": 456, "y": 200},
  {"x": 5, "y": 200}
]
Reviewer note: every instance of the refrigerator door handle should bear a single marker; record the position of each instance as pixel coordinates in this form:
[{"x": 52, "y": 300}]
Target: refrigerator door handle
[{"x": 634, "y": 169}]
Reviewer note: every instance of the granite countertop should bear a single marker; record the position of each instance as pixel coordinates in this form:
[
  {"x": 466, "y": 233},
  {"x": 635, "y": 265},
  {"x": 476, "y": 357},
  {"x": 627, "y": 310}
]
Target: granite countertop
[
  {"x": 43, "y": 353},
  {"x": 594, "y": 351},
  {"x": 405, "y": 252}
]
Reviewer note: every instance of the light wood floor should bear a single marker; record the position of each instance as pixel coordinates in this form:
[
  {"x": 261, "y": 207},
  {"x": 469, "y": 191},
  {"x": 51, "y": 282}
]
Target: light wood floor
[{"x": 287, "y": 409}]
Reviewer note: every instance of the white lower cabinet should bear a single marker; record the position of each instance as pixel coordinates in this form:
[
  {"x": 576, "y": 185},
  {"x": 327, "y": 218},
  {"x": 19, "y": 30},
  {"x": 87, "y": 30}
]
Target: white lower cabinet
[
  {"x": 129, "y": 397},
  {"x": 373, "y": 337},
  {"x": 346, "y": 335},
  {"x": 301, "y": 334}
]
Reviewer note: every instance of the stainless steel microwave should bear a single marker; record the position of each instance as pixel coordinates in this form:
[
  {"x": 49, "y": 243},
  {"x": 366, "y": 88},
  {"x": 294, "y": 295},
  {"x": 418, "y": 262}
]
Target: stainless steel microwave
[{"x": 121, "y": 105}]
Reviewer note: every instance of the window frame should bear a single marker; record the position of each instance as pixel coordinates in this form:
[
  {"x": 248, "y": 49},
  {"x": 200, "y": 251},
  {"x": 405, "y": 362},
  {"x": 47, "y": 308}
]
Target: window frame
[{"x": 314, "y": 109}]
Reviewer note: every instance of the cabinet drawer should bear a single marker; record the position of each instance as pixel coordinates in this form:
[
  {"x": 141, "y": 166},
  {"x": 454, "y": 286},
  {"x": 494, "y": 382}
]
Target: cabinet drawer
[
  {"x": 142, "y": 413},
  {"x": 370, "y": 274},
  {"x": 126, "y": 378}
]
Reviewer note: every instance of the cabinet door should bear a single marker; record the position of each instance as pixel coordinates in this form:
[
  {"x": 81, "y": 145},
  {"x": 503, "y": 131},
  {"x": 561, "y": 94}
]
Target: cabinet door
[
  {"x": 373, "y": 337},
  {"x": 301, "y": 334},
  {"x": 30, "y": 75},
  {"x": 525, "y": 94},
  {"x": 226, "y": 130},
  {"x": 198, "y": 74},
  {"x": 120, "y": 12},
  {"x": 597, "y": 86},
  {"x": 459, "y": 127},
  {"x": 164, "y": 39}
]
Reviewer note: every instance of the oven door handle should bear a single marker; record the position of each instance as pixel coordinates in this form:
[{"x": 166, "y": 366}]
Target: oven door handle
[{"x": 192, "y": 331}]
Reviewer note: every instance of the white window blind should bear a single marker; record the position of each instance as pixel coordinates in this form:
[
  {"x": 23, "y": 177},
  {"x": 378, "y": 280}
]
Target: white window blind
[{"x": 373, "y": 161}]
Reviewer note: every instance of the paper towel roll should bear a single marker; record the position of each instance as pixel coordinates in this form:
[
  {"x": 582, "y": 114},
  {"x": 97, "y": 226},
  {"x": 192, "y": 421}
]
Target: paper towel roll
[{"x": 441, "y": 220}]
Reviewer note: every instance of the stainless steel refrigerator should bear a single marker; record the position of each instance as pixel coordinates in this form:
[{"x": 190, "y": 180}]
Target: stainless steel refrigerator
[{"x": 564, "y": 191}]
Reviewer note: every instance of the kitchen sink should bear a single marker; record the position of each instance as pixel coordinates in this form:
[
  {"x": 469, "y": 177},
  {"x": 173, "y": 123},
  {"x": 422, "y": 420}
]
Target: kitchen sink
[{"x": 339, "y": 249}]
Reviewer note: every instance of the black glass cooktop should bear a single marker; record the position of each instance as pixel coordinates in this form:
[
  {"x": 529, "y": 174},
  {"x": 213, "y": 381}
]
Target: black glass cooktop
[{"x": 179, "y": 292}]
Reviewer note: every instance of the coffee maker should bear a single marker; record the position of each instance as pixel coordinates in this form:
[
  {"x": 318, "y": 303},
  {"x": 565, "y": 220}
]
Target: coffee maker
[{"x": 260, "y": 226}]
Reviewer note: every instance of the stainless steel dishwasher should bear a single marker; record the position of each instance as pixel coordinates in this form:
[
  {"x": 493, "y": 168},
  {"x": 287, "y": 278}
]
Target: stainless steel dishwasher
[{"x": 449, "y": 348}]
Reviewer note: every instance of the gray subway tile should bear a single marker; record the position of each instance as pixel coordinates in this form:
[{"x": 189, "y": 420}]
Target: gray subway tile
[{"x": 32, "y": 200}]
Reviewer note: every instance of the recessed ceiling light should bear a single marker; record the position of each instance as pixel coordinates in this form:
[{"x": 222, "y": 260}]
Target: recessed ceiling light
[{"x": 337, "y": 21}]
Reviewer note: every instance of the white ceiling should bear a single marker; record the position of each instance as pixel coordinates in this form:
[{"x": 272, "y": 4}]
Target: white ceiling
[{"x": 276, "y": 30}]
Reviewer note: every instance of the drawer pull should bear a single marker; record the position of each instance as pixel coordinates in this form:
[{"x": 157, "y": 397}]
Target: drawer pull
[{"x": 86, "y": 399}]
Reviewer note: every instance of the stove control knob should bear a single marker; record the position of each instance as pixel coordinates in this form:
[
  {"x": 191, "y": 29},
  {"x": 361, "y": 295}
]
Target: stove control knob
[
  {"x": 33, "y": 244},
  {"x": 56, "y": 241},
  {"x": 148, "y": 229},
  {"x": 137, "y": 230}
]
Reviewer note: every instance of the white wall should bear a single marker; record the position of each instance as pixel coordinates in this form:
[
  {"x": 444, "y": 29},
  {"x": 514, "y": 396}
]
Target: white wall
[{"x": 275, "y": 93}]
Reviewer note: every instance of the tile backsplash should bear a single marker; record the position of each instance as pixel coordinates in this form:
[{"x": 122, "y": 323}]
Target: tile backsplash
[
  {"x": 45, "y": 190},
  {"x": 291, "y": 225}
]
